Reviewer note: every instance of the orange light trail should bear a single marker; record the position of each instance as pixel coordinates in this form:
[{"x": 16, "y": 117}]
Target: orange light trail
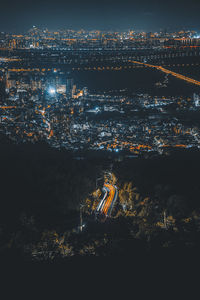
[
  {"x": 110, "y": 198},
  {"x": 166, "y": 71},
  {"x": 7, "y": 107}
]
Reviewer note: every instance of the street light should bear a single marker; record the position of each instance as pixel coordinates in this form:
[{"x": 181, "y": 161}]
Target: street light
[
  {"x": 52, "y": 91},
  {"x": 81, "y": 217}
]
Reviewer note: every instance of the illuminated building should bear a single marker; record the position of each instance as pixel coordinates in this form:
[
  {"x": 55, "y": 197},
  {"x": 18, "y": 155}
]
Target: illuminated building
[
  {"x": 61, "y": 88},
  {"x": 196, "y": 99},
  {"x": 73, "y": 90}
]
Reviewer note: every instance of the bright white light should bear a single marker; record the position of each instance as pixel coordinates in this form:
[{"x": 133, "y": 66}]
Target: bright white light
[{"x": 52, "y": 91}]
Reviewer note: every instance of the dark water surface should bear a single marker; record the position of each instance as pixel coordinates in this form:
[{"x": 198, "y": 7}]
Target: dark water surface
[{"x": 139, "y": 80}]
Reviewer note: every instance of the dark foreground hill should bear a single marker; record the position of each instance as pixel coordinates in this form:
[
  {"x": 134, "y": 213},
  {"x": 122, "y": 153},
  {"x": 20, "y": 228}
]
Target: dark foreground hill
[{"x": 158, "y": 208}]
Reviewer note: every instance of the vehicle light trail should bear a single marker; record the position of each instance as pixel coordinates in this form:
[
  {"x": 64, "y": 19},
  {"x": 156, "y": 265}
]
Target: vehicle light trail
[
  {"x": 7, "y": 107},
  {"x": 166, "y": 71},
  {"x": 106, "y": 204}
]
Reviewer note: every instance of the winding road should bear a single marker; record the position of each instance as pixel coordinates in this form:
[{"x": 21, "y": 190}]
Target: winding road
[{"x": 106, "y": 204}]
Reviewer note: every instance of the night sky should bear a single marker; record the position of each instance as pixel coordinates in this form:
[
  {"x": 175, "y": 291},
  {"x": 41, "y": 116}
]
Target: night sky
[{"x": 16, "y": 16}]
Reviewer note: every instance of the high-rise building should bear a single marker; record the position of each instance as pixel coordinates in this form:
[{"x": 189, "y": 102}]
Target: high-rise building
[
  {"x": 69, "y": 87},
  {"x": 73, "y": 90},
  {"x": 196, "y": 100},
  {"x": 85, "y": 91}
]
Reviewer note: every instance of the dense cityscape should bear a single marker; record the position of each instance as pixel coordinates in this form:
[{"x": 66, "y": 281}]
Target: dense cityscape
[
  {"x": 49, "y": 106},
  {"x": 45, "y": 103},
  {"x": 40, "y": 39}
]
